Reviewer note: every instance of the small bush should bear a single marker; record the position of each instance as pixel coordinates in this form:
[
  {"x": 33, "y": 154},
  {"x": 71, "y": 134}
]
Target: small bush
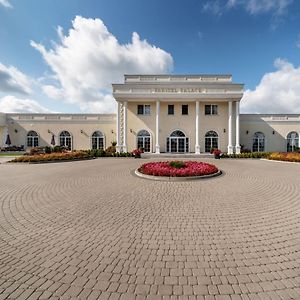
[
  {"x": 111, "y": 149},
  {"x": 177, "y": 164},
  {"x": 58, "y": 149},
  {"x": 247, "y": 155},
  {"x": 48, "y": 150}
]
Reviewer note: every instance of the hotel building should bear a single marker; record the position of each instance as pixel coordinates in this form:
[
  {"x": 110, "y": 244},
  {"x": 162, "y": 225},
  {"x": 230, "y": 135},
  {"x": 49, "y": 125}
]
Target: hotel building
[{"x": 161, "y": 114}]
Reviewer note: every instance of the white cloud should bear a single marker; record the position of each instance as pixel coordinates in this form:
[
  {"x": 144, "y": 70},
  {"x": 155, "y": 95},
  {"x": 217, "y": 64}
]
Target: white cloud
[
  {"x": 254, "y": 7},
  {"x": 5, "y": 3},
  {"x": 89, "y": 58},
  {"x": 14, "y": 81},
  {"x": 9, "y": 104},
  {"x": 277, "y": 92}
]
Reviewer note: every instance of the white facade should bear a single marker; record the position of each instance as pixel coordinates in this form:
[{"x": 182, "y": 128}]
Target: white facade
[{"x": 161, "y": 113}]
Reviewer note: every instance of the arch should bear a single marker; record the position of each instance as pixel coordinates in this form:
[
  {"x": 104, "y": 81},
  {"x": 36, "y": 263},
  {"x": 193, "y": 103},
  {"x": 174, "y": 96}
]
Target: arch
[
  {"x": 32, "y": 139},
  {"x": 65, "y": 139},
  {"x": 258, "y": 143},
  {"x": 292, "y": 141},
  {"x": 98, "y": 140},
  {"x": 177, "y": 133},
  {"x": 177, "y": 142},
  {"x": 211, "y": 140},
  {"x": 143, "y": 140}
]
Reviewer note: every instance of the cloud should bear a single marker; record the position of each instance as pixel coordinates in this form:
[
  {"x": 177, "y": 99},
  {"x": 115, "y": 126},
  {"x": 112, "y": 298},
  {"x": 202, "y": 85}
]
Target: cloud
[
  {"x": 11, "y": 104},
  {"x": 14, "y": 81},
  {"x": 277, "y": 92},
  {"x": 89, "y": 58},
  {"x": 5, "y": 3},
  {"x": 253, "y": 7}
]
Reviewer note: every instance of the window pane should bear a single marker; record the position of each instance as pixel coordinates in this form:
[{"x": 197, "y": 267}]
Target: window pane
[
  {"x": 207, "y": 109},
  {"x": 170, "y": 109},
  {"x": 214, "y": 109},
  {"x": 185, "y": 109},
  {"x": 147, "y": 110},
  {"x": 140, "y": 109}
]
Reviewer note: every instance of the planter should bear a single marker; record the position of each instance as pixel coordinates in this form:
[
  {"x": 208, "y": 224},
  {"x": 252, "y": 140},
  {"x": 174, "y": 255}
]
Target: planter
[{"x": 177, "y": 169}]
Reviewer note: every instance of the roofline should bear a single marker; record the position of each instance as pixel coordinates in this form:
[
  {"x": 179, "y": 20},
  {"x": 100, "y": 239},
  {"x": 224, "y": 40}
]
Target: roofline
[{"x": 180, "y": 75}]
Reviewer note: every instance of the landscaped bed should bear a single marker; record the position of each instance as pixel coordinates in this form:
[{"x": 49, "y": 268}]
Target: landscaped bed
[
  {"x": 290, "y": 156},
  {"x": 178, "y": 169}
]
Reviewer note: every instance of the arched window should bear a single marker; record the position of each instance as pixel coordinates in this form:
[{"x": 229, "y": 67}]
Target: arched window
[
  {"x": 98, "y": 140},
  {"x": 211, "y": 141},
  {"x": 258, "y": 142},
  {"x": 144, "y": 140},
  {"x": 32, "y": 139},
  {"x": 65, "y": 140},
  {"x": 292, "y": 141},
  {"x": 177, "y": 142}
]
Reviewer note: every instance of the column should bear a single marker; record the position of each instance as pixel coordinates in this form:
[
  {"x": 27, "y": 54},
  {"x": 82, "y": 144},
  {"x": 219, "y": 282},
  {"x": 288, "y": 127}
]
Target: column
[
  {"x": 230, "y": 147},
  {"x": 237, "y": 128},
  {"x": 118, "y": 146},
  {"x": 197, "y": 146},
  {"x": 157, "y": 146},
  {"x": 125, "y": 126}
]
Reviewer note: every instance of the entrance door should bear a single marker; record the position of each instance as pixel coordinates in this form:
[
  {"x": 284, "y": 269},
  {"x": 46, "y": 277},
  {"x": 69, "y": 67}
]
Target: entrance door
[{"x": 177, "y": 142}]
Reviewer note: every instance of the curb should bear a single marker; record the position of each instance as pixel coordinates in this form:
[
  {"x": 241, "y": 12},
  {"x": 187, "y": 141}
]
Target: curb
[
  {"x": 280, "y": 161},
  {"x": 176, "y": 179}
]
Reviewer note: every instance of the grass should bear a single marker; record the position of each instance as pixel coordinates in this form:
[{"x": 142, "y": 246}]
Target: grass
[{"x": 11, "y": 154}]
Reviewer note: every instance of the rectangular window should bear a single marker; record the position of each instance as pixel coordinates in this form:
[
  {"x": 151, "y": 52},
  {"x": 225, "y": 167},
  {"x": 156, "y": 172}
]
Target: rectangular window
[
  {"x": 170, "y": 109},
  {"x": 140, "y": 109},
  {"x": 143, "y": 109},
  {"x": 185, "y": 109},
  {"x": 147, "y": 110},
  {"x": 211, "y": 109}
]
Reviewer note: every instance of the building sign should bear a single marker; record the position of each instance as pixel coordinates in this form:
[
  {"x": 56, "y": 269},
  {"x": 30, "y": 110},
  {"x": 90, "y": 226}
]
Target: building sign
[{"x": 178, "y": 90}]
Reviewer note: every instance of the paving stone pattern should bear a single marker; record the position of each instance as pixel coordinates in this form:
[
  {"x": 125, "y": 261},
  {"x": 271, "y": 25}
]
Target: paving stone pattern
[{"x": 92, "y": 230}]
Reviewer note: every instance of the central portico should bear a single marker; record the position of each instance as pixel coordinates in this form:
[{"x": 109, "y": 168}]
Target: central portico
[{"x": 178, "y": 113}]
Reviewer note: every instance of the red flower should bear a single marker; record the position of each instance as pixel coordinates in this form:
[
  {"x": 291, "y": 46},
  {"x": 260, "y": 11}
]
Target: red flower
[{"x": 190, "y": 168}]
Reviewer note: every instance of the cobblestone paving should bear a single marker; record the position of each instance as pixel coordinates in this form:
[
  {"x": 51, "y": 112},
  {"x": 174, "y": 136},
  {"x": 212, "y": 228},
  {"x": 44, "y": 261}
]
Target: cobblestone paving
[{"x": 91, "y": 230}]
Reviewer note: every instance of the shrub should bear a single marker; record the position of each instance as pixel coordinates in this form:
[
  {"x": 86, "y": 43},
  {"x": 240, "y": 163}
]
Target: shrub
[
  {"x": 247, "y": 155},
  {"x": 48, "y": 150},
  {"x": 290, "y": 156},
  {"x": 111, "y": 149},
  {"x": 58, "y": 149},
  {"x": 177, "y": 164},
  {"x": 53, "y": 157},
  {"x": 36, "y": 151}
]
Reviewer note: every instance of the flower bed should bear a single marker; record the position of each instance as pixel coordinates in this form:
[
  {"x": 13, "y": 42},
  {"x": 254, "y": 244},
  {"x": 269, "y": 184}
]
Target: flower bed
[
  {"x": 75, "y": 155},
  {"x": 290, "y": 156},
  {"x": 178, "y": 169}
]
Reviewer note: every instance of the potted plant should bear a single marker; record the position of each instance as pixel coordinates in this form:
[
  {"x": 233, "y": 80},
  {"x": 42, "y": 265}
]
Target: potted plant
[
  {"x": 217, "y": 153},
  {"x": 137, "y": 153}
]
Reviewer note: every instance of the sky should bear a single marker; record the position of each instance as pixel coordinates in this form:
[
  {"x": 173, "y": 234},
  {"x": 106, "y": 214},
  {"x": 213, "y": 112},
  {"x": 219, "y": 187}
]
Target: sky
[{"x": 63, "y": 55}]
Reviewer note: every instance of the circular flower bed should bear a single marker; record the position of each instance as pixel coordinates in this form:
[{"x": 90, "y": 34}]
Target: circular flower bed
[{"x": 178, "y": 169}]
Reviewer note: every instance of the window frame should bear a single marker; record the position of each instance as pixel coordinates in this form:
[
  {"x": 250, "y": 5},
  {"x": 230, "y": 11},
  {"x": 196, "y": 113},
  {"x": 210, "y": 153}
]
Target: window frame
[
  {"x": 211, "y": 110},
  {"x": 173, "y": 107},
  {"x": 32, "y": 140},
  {"x": 145, "y": 108},
  {"x": 187, "y": 111}
]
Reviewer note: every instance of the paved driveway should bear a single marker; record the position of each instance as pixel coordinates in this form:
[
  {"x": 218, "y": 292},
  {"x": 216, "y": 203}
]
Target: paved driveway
[{"x": 92, "y": 230}]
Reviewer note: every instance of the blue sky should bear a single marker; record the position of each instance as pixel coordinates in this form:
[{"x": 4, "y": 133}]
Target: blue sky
[{"x": 258, "y": 41}]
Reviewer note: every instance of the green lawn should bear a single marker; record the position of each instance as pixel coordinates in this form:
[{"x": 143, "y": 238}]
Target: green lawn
[{"x": 11, "y": 153}]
